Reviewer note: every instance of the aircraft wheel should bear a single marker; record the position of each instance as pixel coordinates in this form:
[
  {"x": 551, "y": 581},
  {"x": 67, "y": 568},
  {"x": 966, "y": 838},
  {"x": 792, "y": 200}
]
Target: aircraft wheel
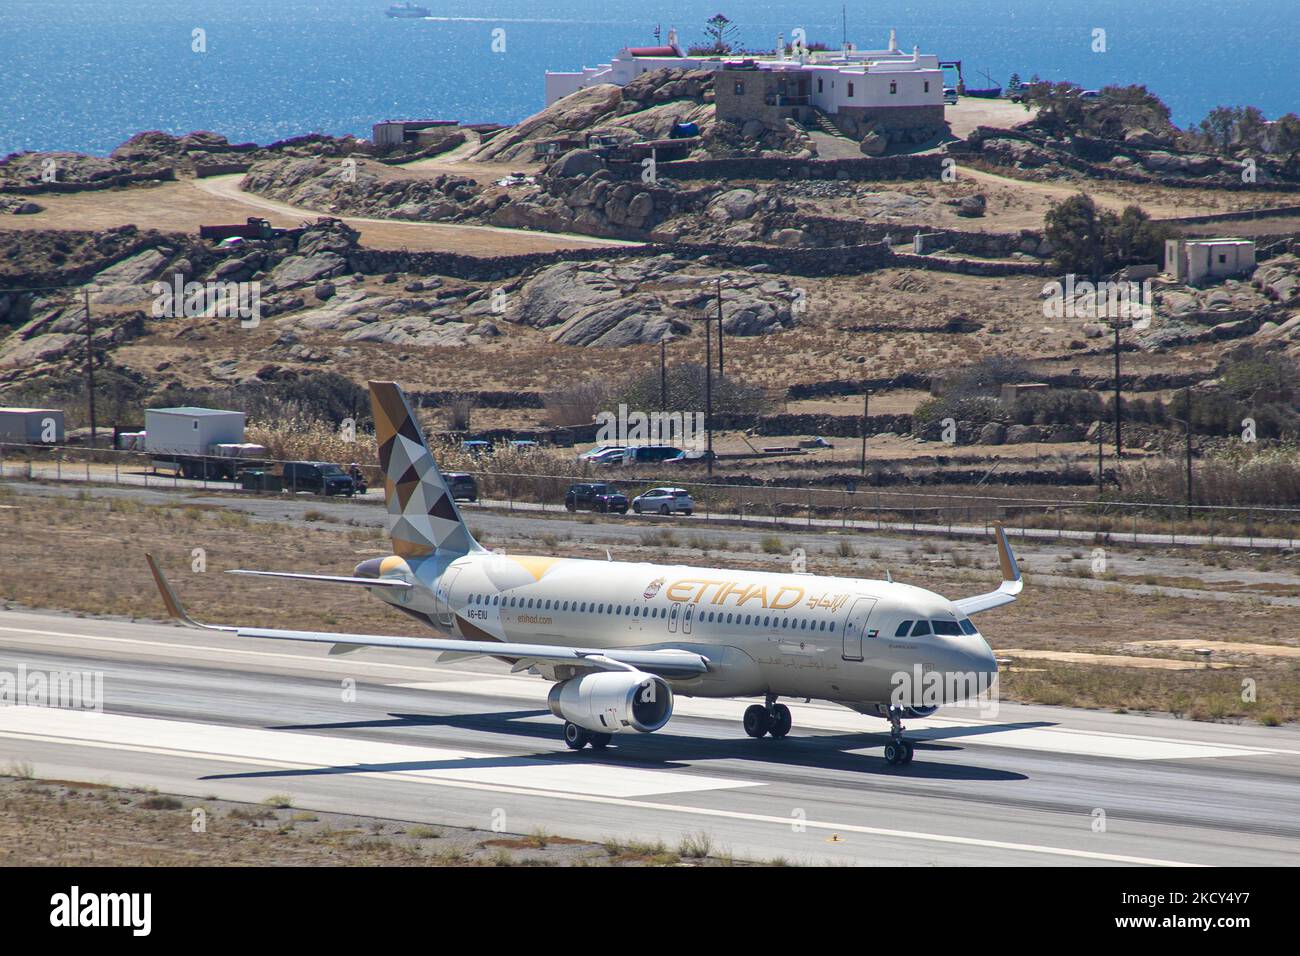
[
  {"x": 894, "y": 753},
  {"x": 756, "y": 720},
  {"x": 781, "y": 721},
  {"x": 908, "y": 753},
  {"x": 601, "y": 741},
  {"x": 575, "y": 737}
]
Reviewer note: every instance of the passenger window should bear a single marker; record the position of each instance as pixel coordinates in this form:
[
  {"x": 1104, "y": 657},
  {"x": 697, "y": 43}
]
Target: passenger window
[
  {"x": 921, "y": 629},
  {"x": 903, "y": 629}
]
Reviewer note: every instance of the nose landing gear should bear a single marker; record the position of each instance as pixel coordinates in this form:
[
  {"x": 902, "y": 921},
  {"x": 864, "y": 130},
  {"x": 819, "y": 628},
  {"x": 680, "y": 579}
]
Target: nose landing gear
[
  {"x": 769, "y": 718},
  {"x": 898, "y": 752}
]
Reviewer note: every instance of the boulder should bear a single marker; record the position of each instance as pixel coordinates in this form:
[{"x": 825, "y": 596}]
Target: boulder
[{"x": 300, "y": 270}]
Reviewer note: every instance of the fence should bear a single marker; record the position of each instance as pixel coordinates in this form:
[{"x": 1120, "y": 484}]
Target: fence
[{"x": 718, "y": 501}]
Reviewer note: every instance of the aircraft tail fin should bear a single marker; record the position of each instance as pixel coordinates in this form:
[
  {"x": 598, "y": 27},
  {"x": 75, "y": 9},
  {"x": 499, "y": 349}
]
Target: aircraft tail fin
[{"x": 422, "y": 517}]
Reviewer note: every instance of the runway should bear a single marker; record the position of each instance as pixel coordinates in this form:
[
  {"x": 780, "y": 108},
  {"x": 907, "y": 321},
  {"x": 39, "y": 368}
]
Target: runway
[{"x": 388, "y": 733}]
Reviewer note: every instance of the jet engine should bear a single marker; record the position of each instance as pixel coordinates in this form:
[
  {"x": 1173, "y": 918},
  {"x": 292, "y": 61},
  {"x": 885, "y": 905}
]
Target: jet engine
[{"x": 613, "y": 702}]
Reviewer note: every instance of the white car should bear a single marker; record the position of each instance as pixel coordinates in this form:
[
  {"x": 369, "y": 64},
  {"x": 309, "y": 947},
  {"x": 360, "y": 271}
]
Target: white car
[{"x": 664, "y": 501}]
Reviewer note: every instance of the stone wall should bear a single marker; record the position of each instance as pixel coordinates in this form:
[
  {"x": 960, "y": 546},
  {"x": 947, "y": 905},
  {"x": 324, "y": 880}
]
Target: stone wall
[
  {"x": 109, "y": 182},
  {"x": 760, "y": 168}
]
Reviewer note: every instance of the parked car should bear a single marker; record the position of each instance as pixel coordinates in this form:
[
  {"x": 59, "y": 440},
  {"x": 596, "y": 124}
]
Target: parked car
[
  {"x": 597, "y": 451},
  {"x": 318, "y": 477},
  {"x": 461, "y": 485},
  {"x": 692, "y": 458},
  {"x": 595, "y": 497},
  {"x": 643, "y": 454},
  {"x": 1090, "y": 95},
  {"x": 523, "y": 444},
  {"x": 949, "y": 94},
  {"x": 476, "y": 446},
  {"x": 664, "y": 501},
  {"x": 610, "y": 456}
]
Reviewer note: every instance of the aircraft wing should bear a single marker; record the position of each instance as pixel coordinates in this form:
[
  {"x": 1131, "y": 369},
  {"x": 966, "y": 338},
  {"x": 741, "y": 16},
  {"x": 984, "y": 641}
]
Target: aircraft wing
[
  {"x": 663, "y": 662},
  {"x": 1011, "y": 585}
]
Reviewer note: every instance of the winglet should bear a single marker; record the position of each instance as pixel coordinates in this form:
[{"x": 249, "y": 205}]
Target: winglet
[
  {"x": 172, "y": 603},
  {"x": 1007, "y": 559}
]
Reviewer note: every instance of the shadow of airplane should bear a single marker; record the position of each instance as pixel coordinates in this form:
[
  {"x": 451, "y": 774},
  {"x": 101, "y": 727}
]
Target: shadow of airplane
[{"x": 661, "y": 750}]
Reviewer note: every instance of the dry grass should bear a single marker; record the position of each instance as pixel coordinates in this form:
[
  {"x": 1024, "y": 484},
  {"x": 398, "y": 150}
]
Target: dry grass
[{"x": 62, "y": 823}]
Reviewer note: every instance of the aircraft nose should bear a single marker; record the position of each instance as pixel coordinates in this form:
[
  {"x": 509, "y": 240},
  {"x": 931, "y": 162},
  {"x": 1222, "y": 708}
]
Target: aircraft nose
[{"x": 971, "y": 664}]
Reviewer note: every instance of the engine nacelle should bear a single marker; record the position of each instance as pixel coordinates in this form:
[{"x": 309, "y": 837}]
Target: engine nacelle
[
  {"x": 613, "y": 702},
  {"x": 919, "y": 711}
]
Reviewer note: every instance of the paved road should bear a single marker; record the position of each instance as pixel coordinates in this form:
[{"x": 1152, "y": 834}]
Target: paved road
[
  {"x": 202, "y": 714},
  {"x": 1052, "y": 563},
  {"x": 134, "y": 476}
]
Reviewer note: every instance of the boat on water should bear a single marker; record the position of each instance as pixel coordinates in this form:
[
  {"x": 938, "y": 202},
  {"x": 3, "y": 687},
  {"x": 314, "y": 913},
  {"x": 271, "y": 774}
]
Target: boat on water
[{"x": 408, "y": 11}]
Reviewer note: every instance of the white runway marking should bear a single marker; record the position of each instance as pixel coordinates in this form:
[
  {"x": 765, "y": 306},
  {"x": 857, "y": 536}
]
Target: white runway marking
[
  {"x": 1058, "y": 740},
  {"x": 282, "y": 749}
]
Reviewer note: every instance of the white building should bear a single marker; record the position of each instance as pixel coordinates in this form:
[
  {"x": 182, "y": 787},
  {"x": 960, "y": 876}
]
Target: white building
[
  {"x": 884, "y": 87},
  {"x": 1195, "y": 260}
]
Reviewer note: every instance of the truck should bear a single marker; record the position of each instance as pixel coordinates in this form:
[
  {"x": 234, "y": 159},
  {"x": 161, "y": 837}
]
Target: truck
[
  {"x": 254, "y": 228},
  {"x": 194, "y": 442}
]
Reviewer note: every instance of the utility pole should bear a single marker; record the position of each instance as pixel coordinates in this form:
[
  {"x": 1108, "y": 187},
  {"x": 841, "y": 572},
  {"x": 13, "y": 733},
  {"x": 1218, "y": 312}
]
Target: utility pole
[
  {"x": 663, "y": 375},
  {"x": 90, "y": 367},
  {"x": 1100, "y": 459},
  {"x": 720, "y": 372},
  {"x": 708, "y": 392},
  {"x": 1118, "y": 411},
  {"x": 866, "y": 398},
  {"x": 1187, "y": 409}
]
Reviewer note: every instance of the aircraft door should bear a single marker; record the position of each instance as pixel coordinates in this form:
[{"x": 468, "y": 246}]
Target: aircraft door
[
  {"x": 855, "y": 628},
  {"x": 442, "y": 596},
  {"x": 686, "y": 618},
  {"x": 673, "y": 613}
]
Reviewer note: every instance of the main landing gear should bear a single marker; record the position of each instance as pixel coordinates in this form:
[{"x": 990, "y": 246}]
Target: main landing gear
[
  {"x": 898, "y": 752},
  {"x": 578, "y": 737},
  {"x": 769, "y": 719}
]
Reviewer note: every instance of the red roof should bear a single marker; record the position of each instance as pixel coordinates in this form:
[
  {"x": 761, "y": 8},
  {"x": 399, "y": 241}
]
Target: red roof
[{"x": 654, "y": 51}]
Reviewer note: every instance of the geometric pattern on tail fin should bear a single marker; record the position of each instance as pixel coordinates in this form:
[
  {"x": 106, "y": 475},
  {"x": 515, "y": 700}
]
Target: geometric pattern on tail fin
[{"x": 423, "y": 518}]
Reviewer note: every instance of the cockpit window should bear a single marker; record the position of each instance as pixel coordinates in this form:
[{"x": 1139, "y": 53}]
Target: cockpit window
[
  {"x": 946, "y": 628},
  {"x": 903, "y": 629},
  {"x": 921, "y": 629},
  {"x": 968, "y": 626}
]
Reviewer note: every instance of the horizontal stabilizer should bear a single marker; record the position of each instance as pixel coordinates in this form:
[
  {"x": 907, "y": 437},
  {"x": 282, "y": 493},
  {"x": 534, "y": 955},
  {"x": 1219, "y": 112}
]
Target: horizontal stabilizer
[{"x": 327, "y": 578}]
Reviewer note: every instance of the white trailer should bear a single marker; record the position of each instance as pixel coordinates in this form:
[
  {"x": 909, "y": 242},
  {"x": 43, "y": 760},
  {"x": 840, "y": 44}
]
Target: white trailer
[
  {"x": 199, "y": 442},
  {"x": 31, "y": 425}
]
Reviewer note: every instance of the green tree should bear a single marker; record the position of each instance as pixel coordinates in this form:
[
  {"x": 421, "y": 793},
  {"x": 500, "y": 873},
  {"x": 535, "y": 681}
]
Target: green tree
[
  {"x": 1076, "y": 230},
  {"x": 720, "y": 33}
]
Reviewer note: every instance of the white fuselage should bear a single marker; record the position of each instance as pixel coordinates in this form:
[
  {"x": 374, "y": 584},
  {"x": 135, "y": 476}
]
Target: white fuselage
[{"x": 790, "y": 634}]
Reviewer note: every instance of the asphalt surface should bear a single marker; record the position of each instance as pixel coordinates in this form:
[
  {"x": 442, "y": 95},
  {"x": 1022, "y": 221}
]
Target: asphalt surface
[
  {"x": 392, "y": 734},
  {"x": 1052, "y": 563},
  {"x": 133, "y": 477}
]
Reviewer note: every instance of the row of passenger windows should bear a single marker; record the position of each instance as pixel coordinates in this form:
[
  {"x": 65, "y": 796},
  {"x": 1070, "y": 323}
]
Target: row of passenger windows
[
  {"x": 634, "y": 610},
  {"x": 942, "y": 628}
]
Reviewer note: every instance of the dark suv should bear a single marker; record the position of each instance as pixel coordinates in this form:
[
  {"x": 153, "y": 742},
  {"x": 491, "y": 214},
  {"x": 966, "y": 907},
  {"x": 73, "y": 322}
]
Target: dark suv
[
  {"x": 461, "y": 485},
  {"x": 319, "y": 477},
  {"x": 595, "y": 497}
]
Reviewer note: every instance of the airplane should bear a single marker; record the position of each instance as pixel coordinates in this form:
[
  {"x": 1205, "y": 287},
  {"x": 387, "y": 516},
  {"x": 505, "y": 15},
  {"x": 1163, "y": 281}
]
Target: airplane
[{"x": 620, "y": 639}]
